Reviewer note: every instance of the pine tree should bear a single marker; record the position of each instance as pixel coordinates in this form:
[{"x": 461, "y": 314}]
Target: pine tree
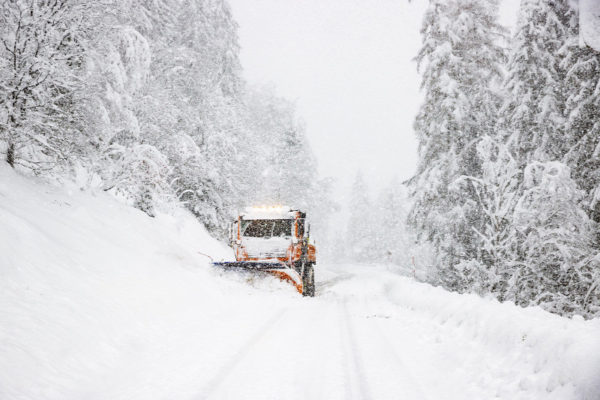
[
  {"x": 582, "y": 137},
  {"x": 461, "y": 60},
  {"x": 557, "y": 272},
  {"x": 582, "y": 128},
  {"x": 497, "y": 191},
  {"x": 545, "y": 119},
  {"x": 532, "y": 115}
]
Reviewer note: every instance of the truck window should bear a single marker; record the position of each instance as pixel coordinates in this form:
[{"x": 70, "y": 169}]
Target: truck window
[
  {"x": 301, "y": 228},
  {"x": 282, "y": 227},
  {"x": 267, "y": 228}
]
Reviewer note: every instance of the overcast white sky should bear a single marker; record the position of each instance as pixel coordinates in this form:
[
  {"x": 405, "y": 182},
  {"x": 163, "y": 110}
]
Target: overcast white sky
[{"x": 348, "y": 65}]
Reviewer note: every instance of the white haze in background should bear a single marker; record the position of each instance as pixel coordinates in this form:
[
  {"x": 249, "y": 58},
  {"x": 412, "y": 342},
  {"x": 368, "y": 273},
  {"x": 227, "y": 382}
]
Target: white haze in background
[{"x": 349, "y": 65}]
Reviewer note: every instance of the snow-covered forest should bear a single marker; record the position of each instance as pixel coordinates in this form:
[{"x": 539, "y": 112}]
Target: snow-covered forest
[
  {"x": 506, "y": 192},
  {"x": 145, "y": 99},
  {"x": 131, "y": 136},
  {"x": 506, "y": 198}
]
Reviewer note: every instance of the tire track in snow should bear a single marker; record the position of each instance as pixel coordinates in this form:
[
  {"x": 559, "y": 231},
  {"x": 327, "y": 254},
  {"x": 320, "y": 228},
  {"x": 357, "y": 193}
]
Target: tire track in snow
[
  {"x": 417, "y": 392},
  {"x": 345, "y": 363},
  {"x": 322, "y": 286},
  {"x": 354, "y": 366},
  {"x": 228, "y": 368}
]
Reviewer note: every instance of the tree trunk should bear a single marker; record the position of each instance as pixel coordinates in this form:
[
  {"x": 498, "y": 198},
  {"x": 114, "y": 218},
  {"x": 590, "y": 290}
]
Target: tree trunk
[{"x": 10, "y": 154}]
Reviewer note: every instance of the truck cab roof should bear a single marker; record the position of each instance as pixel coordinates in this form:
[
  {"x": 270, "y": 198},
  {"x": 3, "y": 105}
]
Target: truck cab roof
[{"x": 270, "y": 212}]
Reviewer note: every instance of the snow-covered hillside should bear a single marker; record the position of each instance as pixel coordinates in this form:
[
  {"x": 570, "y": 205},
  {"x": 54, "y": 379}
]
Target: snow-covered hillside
[{"x": 99, "y": 301}]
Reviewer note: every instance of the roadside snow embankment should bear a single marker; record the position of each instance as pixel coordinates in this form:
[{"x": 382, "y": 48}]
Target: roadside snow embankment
[
  {"x": 564, "y": 354},
  {"x": 97, "y": 300}
]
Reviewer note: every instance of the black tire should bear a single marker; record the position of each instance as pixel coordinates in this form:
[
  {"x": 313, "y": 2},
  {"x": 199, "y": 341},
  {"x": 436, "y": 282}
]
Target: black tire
[
  {"x": 308, "y": 280},
  {"x": 298, "y": 267}
]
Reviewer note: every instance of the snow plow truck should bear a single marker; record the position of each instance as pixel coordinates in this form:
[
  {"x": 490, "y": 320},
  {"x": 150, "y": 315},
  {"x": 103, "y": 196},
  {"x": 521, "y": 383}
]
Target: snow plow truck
[{"x": 274, "y": 240}]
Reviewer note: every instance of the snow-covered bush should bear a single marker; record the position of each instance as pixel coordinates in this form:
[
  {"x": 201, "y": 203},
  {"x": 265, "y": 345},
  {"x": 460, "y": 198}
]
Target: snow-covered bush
[
  {"x": 556, "y": 270},
  {"x": 139, "y": 172}
]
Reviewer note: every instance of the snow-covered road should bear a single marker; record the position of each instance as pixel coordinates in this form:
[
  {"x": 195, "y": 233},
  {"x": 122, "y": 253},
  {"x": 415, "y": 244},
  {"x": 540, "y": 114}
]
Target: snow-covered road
[
  {"x": 315, "y": 348},
  {"x": 98, "y": 301},
  {"x": 348, "y": 343},
  {"x": 356, "y": 341}
]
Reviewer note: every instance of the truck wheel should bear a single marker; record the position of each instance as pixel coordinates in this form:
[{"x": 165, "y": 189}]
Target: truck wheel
[{"x": 308, "y": 280}]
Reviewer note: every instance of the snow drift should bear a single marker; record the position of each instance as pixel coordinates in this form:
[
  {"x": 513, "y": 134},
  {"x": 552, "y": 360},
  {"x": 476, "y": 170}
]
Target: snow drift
[
  {"x": 99, "y": 301},
  {"x": 564, "y": 353}
]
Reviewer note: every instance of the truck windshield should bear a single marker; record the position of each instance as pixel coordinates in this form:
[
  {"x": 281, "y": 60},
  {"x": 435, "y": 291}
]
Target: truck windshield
[{"x": 267, "y": 227}]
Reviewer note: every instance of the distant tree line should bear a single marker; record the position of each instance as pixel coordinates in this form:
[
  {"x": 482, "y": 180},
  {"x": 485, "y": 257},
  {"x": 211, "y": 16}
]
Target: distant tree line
[
  {"x": 374, "y": 230},
  {"x": 145, "y": 99},
  {"x": 507, "y": 191}
]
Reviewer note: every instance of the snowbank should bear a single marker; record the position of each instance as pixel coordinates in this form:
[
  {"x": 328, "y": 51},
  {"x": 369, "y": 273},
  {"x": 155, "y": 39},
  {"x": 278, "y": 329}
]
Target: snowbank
[
  {"x": 563, "y": 354},
  {"x": 97, "y": 300}
]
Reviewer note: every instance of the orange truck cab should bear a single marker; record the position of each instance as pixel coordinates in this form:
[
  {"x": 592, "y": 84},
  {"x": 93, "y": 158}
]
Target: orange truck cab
[{"x": 276, "y": 234}]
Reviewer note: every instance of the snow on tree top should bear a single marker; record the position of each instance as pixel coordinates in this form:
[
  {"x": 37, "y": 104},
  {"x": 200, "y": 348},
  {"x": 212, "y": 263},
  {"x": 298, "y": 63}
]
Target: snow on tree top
[
  {"x": 268, "y": 212},
  {"x": 589, "y": 20}
]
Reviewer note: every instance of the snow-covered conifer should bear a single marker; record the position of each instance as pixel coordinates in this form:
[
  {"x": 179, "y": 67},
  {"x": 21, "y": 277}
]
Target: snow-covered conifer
[
  {"x": 496, "y": 196},
  {"x": 582, "y": 107},
  {"x": 532, "y": 114},
  {"x": 558, "y": 271},
  {"x": 461, "y": 61}
]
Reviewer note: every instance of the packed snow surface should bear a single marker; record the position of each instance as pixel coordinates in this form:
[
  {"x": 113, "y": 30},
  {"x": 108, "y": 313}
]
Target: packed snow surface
[{"x": 99, "y": 301}]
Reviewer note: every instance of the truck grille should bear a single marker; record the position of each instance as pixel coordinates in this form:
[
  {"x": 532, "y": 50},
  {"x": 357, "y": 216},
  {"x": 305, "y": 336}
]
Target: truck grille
[
  {"x": 268, "y": 254},
  {"x": 266, "y": 248}
]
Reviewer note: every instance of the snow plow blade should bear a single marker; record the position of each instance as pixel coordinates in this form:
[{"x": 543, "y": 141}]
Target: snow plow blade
[{"x": 278, "y": 269}]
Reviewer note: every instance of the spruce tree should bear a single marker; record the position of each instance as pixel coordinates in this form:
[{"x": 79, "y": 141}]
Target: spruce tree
[
  {"x": 548, "y": 125},
  {"x": 557, "y": 271},
  {"x": 496, "y": 198},
  {"x": 532, "y": 115},
  {"x": 582, "y": 107},
  {"x": 461, "y": 62}
]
